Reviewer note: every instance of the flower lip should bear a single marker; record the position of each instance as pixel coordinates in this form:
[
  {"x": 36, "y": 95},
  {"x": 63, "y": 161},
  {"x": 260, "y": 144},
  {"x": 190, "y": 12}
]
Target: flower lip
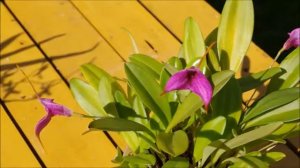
[
  {"x": 293, "y": 40},
  {"x": 52, "y": 110},
  {"x": 191, "y": 79}
]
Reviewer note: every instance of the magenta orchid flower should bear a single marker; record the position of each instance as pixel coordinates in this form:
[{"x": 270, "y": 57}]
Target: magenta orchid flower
[
  {"x": 293, "y": 40},
  {"x": 191, "y": 79},
  {"x": 52, "y": 110}
]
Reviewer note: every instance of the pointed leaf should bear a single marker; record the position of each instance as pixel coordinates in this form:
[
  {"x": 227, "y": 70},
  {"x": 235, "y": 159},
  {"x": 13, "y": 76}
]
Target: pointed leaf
[
  {"x": 235, "y": 33},
  {"x": 150, "y": 64},
  {"x": 87, "y": 97},
  {"x": 193, "y": 43},
  {"x": 191, "y": 104},
  {"x": 118, "y": 124},
  {"x": 272, "y": 101},
  {"x": 149, "y": 91},
  {"x": 92, "y": 74},
  {"x": 220, "y": 79},
  {"x": 292, "y": 76},
  {"x": 286, "y": 113}
]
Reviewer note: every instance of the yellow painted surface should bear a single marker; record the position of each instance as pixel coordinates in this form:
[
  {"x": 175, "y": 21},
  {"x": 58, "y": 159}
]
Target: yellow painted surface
[
  {"x": 75, "y": 42},
  {"x": 62, "y": 139},
  {"x": 13, "y": 146},
  {"x": 76, "y": 32},
  {"x": 109, "y": 17}
]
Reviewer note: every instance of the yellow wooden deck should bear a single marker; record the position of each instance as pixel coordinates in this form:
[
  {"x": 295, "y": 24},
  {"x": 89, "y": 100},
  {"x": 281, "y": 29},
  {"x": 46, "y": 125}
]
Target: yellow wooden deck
[{"x": 49, "y": 40}]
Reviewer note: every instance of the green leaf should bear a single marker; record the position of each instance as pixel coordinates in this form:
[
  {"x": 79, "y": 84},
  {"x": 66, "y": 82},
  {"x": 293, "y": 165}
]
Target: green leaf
[
  {"x": 228, "y": 103},
  {"x": 119, "y": 156},
  {"x": 149, "y": 91},
  {"x": 92, "y": 74},
  {"x": 285, "y": 113},
  {"x": 254, "y": 80},
  {"x": 87, "y": 97},
  {"x": 292, "y": 76},
  {"x": 193, "y": 42},
  {"x": 174, "y": 143},
  {"x": 210, "y": 131},
  {"x": 177, "y": 162},
  {"x": 191, "y": 104},
  {"x": 272, "y": 101},
  {"x": 149, "y": 64},
  {"x": 285, "y": 130},
  {"x": 140, "y": 159},
  {"x": 118, "y": 124},
  {"x": 235, "y": 33},
  {"x": 273, "y": 156},
  {"x": 248, "y": 137},
  {"x": 220, "y": 79},
  {"x": 253, "y": 135},
  {"x": 246, "y": 162}
]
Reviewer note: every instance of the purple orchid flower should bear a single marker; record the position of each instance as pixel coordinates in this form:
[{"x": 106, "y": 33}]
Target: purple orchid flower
[
  {"x": 191, "y": 79},
  {"x": 293, "y": 40},
  {"x": 52, "y": 110}
]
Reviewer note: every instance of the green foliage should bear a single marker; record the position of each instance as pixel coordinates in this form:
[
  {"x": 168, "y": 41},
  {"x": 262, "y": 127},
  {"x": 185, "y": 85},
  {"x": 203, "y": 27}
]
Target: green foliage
[{"x": 174, "y": 129}]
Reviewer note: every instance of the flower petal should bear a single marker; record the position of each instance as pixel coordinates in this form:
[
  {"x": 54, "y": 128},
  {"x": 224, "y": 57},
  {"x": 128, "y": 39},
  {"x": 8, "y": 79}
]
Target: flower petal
[
  {"x": 42, "y": 124},
  {"x": 55, "y": 109},
  {"x": 191, "y": 79},
  {"x": 178, "y": 81},
  {"x": 201, "y": 86},
  {"x": 293, "y": 40},
  {"x": 52, "y": 110}
]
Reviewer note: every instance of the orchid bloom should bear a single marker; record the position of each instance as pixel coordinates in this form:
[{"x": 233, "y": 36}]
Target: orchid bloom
[
  {"x": 52, "y": 110},
  {"x": 293, "y": 40},
  {"x": 191, "y": 79}
]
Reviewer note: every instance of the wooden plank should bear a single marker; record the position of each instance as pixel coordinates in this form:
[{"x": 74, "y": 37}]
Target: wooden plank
[
  {"x": 13, "y": 146},
  {"x": 109, "y": 17},
  {"x": 62, "y": 139},
  {"x": 75, "y": 42}
]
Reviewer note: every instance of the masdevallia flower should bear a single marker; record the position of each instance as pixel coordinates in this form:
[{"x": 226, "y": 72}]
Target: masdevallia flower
[
  {"x": 52, "y": 110},
  {"x": 293, "y": 40},
  {"x": 191, "y": 79}
]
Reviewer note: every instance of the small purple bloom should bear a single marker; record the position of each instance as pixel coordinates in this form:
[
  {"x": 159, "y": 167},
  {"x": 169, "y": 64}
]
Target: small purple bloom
[
  {"x": 191, "y": 79},
  {"x": 52, "y": 110},
  {"x": 293, "y": 40}
]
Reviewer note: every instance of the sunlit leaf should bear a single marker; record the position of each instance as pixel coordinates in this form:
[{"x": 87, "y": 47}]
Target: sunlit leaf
[
  {"x": 87, "y": 97},
  {"x": 193, "y": 43},
  {"x": 272, "y": 101},
  {"x": 149, "y": 64},
  {"x": 235, "y": 33},
  {"x": 191, "y": 104},
  {"x": 285, "y": 113},
  {"x": 118, "y": 124},
  {"x": 219, "y": 79},
  {"x": 149, "y": 91}
]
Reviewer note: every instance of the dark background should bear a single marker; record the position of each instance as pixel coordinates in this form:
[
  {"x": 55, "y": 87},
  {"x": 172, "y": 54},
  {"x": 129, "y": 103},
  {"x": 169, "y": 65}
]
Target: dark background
[{"x": 273, "y": 20}]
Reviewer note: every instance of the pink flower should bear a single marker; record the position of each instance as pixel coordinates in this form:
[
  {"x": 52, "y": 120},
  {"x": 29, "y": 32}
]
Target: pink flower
[
  {"x": 293, "y": 40},
  {"x": 52, "y": 110},
  {"x": 191, "y": 79}
]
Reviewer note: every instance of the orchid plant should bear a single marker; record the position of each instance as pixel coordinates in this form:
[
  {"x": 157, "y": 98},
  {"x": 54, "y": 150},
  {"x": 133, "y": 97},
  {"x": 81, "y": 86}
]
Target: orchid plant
[{"x": 189, "y": 111}]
